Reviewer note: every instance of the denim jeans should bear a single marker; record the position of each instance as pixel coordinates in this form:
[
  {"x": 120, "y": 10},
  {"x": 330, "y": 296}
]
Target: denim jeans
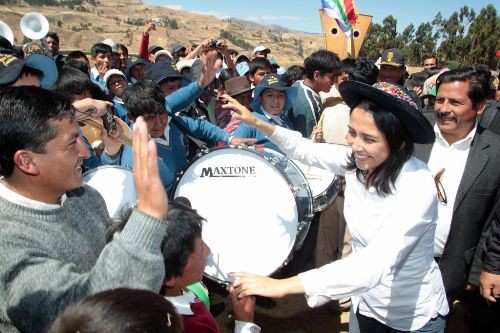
[{"x": 362, "y": 324}]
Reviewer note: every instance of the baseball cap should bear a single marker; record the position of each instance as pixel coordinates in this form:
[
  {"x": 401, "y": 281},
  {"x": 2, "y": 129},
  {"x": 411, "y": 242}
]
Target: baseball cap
[
  {"x": 177, "y": 47},
  {"x": 11, "y": 67},
  {"x": 112, "y": 44},
  {"x": 112, "y": 72},
  {"x": 393, "y": 57},
  {"x": 261, "y": 48},
  {"x": 154, "y": 48},
  {"x": 162, "y": 52}
]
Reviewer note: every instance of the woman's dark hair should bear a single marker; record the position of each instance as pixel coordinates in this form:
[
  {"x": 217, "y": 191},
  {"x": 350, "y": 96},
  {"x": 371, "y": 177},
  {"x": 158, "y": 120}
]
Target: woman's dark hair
[
  {"x": 383, "y": 178},
  {"x": 123, "y": 48},
  {"x": 119, "y": 310},
  {"x": 224, "y": 75}
]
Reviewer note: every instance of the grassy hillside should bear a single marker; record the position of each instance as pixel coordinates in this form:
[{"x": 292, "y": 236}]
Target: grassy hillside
[{"x": 123, "y": 21}]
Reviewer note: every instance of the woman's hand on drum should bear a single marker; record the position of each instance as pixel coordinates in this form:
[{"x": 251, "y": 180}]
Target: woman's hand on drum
[
  {"x": 246, "y": 116},
  {"x": 151, "y": 195},
  {"x": 112, "y": 142},
  {"x": 244, "y": 307},
  {"x": 246, "y": 284},
  {"x": 235, "y": 141}
]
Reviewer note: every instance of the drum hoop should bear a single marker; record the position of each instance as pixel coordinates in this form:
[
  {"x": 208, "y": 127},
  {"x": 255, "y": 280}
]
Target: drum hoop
[
  {"x": 331, "y": 193},
  {"x": 94, "y": 170}
]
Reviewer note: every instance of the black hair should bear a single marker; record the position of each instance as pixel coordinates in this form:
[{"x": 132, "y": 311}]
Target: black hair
[
  {"x": 242, "y": 58},
  {"x": 292, "y": 74},
  {"x": 184, "y": 227},
  {"x": 120, "y": 310},
  {"x": 232, "y": 51},
  {"x": 54, "y": 36},
  {"x": 478, "y": 85},
  {"x": 30, "y": 71},
  {"x": 360, "y": 70},
  {"x": 323, "y": 61},
  {"x": 76, "y": 55},
  {"x": 72, "y": 81},
  {"x": 100, "y": 48},
  {"x": 122, "y": 47},
  {"x": 416, "y": 80},
  {"x": 26, "y": 113},
  {"x": 143, "y": 97},
  {"x": 433, "y": 71},
  {"x": 77, "y": 64},
  {"x": 258, "y": 63},
  {"x": 430, "y": 56},
  {"x": 225, "y": 74},
  {"x": 383, "y": 178}
]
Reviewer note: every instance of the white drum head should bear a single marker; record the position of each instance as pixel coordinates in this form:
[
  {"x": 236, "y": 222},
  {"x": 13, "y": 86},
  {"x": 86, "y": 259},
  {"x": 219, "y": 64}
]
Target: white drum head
[
  {"x": 116, "y": 186},
  {"x": 249, "y": 207}
]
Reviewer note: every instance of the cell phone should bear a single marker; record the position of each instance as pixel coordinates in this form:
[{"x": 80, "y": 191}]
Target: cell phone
[{"x": 109, "y": 121}]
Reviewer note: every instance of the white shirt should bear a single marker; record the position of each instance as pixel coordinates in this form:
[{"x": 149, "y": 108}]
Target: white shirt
[
  {"x": 453, "y": 159},
  {"x": 21, "y": 200},
  {"x": 391, "y": 275}
]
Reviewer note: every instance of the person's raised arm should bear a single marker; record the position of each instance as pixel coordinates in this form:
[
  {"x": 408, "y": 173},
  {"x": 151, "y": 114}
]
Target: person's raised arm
[{"x": 143, "y": 47}]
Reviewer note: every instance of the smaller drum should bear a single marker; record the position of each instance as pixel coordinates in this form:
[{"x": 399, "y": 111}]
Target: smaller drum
[
  {"x": 116, "y": 185},
  {"x": 324, "y": 184}
]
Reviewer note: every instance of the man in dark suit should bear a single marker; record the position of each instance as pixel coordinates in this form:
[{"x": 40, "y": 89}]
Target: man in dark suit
[
  {"x": 52, "y": 40},
  {"x": 465, "y": 160}
]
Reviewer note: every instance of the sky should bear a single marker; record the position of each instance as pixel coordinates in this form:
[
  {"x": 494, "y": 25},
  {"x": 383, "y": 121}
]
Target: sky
[{"x": 303, "y": 14}]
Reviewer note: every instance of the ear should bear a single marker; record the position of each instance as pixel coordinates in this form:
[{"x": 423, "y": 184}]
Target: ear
[
  {"x": 131, "y": 117},
  {"x": 170, "y": 283},
  {"x": 480, "y": 107},
  {"x": 316, "y": 74},
  {"x": 23, "y": 159}
]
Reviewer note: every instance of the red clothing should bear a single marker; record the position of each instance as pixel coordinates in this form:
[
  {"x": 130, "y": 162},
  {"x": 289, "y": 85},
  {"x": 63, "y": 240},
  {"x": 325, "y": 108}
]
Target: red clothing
[
  {"x": 201, "y": 321},
  {"x": 143, "y": 47}
]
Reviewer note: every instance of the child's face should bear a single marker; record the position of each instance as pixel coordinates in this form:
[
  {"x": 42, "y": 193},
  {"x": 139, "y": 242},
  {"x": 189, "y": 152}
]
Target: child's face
[
  {"x": 258, "y": 75},
  {"x": 193, "y": 272},
  {"x": 273, "y": 101}
]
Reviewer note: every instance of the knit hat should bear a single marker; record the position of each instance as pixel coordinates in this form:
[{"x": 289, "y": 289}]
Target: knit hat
[{"x": 112, "y": 72}]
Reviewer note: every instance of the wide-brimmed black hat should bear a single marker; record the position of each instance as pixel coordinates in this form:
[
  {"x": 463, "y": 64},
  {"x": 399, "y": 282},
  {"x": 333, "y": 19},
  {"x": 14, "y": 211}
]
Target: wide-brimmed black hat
[
  {"x": 395, "y": 99},
  {"x": 275, "y": 82},
  {"x": 163, "y": 70}
]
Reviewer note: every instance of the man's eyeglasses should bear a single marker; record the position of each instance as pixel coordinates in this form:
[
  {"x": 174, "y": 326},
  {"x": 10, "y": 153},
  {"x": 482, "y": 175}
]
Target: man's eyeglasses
[{"x": 440, "y": 189}]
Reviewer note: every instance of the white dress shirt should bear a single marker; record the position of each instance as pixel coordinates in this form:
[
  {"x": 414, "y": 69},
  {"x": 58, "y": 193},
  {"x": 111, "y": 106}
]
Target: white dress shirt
[
  {"x": 453, "y": 159},
  {"x": 391, "y": 275}
]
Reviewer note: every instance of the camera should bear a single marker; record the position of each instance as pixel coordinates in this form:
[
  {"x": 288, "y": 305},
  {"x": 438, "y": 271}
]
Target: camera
[
  {"x": 109, "y": 121},
  {"x": 215, "y": 43}
]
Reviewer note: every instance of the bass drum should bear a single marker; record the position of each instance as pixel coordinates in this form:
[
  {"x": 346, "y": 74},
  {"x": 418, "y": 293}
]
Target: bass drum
[
  {"x": 258, "y": 208},
  {"x": 116, "y": 185},
  {"x": 324, "y": 184}
]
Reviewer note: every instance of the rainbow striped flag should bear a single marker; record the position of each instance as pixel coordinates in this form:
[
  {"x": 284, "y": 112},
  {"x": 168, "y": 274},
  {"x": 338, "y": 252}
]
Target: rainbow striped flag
[{"x": 343, "y": 11}]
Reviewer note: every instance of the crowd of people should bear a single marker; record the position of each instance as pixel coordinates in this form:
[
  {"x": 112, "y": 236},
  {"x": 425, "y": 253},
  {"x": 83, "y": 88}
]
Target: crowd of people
[{"x": 414, "y": 228}]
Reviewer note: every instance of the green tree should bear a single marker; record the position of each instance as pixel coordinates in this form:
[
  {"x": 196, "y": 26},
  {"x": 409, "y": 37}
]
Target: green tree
[{"x": 484, "y": 38}]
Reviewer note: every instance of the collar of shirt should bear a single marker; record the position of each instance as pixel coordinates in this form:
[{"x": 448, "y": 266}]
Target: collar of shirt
[
  {"x": 21, "y": 200},
  {"x": 119, "y": 100},
  {"x": 94, "y": 72},
  {"x": 460, "y": 144},
  {"x": 276, "y": 118},
  {"x": 183, "y": 302},
  {"x": 306, "y": 87}
]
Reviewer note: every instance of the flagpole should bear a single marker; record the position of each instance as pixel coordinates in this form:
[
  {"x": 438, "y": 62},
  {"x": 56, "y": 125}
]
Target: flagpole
[{"x": 321, "y": 13}]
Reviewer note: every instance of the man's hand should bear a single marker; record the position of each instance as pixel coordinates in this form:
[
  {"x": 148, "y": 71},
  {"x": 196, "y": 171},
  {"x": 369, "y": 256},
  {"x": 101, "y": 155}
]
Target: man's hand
[
  {"x": 210, "y": 63},
  {"x": 489, "y": 285},
  {"x": 90, "y": 108},
  {"x": 149, "y": 26},
  {"x": 151, "y": 195},
  {"x": 243, "y": 308},
  {"x": 112, "y": 142}
]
